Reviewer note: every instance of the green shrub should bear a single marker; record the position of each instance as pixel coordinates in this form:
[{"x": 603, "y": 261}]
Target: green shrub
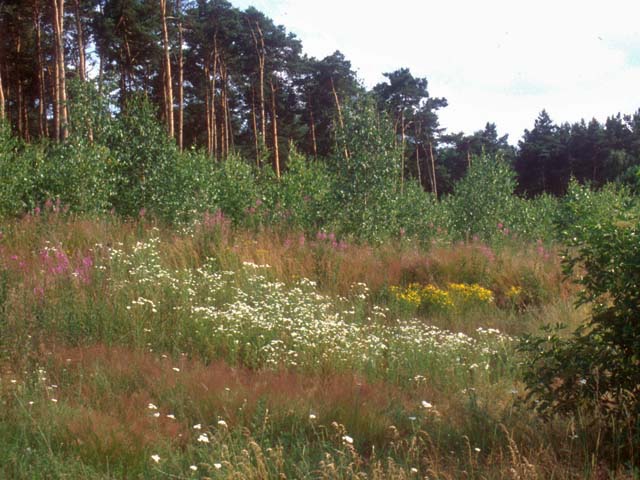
[
  {"x": 482, "y": 202},
  {"x": 583, "y": 207},
  {"x": 597, "y": 369},
  {"x": 17, "y": 178},
  {"x": 302, "y": 198}
]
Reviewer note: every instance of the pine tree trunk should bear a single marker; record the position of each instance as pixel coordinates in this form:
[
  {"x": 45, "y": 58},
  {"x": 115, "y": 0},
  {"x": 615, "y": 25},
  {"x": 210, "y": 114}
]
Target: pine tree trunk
[
  {"x": 225, "y": 108},
  {"x": 340, "y": 119},
  {"x": 433, "y": 169},
  {"x": 207, "y": 109},
  {"x": 180, "y": 78},
  {"x": 82, "y": 62},
  {"x": 255, "y": 125},
  {"x": 25, "y": 119},
  {"x": 168, "y": 87},
  {"x": 42, "y": 116},
  {"x": 19, "y": 109},
  {"x": 418, "y": 164},
  {"x": 314, "y": 143},
  {"x": 274, "y": 121},
  {"x": 61, "y": 94},
  {"x": 258, "y": 40},
  {"x": 2, "y": 111},
  {"x": 402, "y": 154},
  {"x": 19, "y": 89}
]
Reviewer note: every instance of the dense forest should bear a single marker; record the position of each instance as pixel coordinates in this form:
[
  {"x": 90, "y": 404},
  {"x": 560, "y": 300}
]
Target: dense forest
[{"x": 230, "y": 81}]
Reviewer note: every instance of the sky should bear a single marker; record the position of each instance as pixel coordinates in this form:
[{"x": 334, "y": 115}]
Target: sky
[{"x": 499, "y": 61}]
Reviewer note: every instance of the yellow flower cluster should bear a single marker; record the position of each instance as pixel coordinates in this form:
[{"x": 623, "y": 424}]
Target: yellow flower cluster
[
  {"x": 514, "y": 292},
  {"x": 434, "y": 296},
  {"x": 456, "y": 295},
  {"x": 473, "y": 293}
]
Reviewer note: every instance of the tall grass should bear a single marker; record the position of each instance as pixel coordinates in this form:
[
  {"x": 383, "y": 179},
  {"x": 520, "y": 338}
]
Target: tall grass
[{"x": 130, "y": 350}]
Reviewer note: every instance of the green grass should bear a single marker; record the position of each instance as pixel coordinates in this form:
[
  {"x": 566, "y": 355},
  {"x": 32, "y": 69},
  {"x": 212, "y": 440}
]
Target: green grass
[{"x": 122, "y": 343}]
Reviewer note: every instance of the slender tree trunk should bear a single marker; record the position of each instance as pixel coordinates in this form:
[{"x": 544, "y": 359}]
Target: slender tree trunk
[
  {"x": 433, "y": 169},
  {"x": 402, "y": 154},
  {"x": 25, "y": 118},
  {"x": 258, "y": 40},
  {"x": 19, "y": 89},
  {"x": 274, "y": 121},
  {"x": 225, "y": 109},
  {"x": 61, "y": 95},
  {"x": 340, "y": 119},
  {"x": 19, "y": 109},
  {"x": 168, "y": 87},
  {"x": 418, "y": 164},
  {"x": 314, "y": 143},
  {"x": 207, "y": 108},
  {"x": 82, "y": 59},
  {"x": 180, "y": 77},
  {"x": 255, "y": 124},
  {"x": 211, "y": 69},
  {"x": 42, "y": 111},
  {"x": 2, "y": 111}
]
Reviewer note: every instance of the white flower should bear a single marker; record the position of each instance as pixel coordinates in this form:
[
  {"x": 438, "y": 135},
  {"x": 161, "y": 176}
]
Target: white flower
[
  {"x": 347, "y": 439},
  {"x": 414, "y": 470},
  {"x": 312, "y": 416},
  {"x": 155, "y": 458},
  {"x": 197, "y": 426},
  {"x": 176, "y": 369},
  {"x": 157, "y": 414},
  {"x": 171, "y": 416},
  {"x": 203, "y": 438},
  {"x": 151, "y": 406},
  {"x": 222, "y": 423},
  {"x": 426, "y": 404},
  {"x": 477, "y": 449},
  {"x": 217, "y": 466},
  {"x": 54, "y": 400},
  {"x": 193, "y": 467}
]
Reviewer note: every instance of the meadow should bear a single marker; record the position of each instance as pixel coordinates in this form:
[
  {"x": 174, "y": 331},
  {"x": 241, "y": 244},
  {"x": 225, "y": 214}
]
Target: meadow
[{"x": 131, "y": 349}]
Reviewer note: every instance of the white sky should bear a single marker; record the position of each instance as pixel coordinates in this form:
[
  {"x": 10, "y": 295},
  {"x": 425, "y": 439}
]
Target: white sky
[{"x": 494, "y": 60}]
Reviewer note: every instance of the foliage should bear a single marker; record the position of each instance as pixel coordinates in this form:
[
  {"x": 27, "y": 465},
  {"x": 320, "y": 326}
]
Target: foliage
[
  {"x": 17, "y": 176},
  {"x": 366, "y": 166},
  {"x": 235, "y": 190},
  {"x": 302, "y": 198},
  {"x": 482, "y": 201},
  {"x": 596, "y": 368},
  {"x": 583, "y": 208}
]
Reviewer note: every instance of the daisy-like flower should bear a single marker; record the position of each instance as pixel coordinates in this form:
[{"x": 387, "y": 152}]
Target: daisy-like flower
[
  {"x": 222, "y": 423},
  {"x": 203, "y": 438},
  {"x": 155, "y": 458},
  {"x": 171, "y": 416},
  {"x": 197, "y": 426},
  {"x": 193, "y": 468},
  {"x": 347, "y": 439},
  {"x": 217, "y": 466},
  {"x": 151, "y": 406},
  {"x": 426, "y": 404}
]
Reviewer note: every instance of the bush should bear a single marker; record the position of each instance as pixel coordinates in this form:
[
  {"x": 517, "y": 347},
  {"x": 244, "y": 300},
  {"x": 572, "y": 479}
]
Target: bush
[
  {"x": 597, "y": 369},
  {"x": 302, "y": 198},
  {"x": 482, "y": 202},
  {"x": 17, "y": 178},
  {"x": 583, "y": 207}
]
